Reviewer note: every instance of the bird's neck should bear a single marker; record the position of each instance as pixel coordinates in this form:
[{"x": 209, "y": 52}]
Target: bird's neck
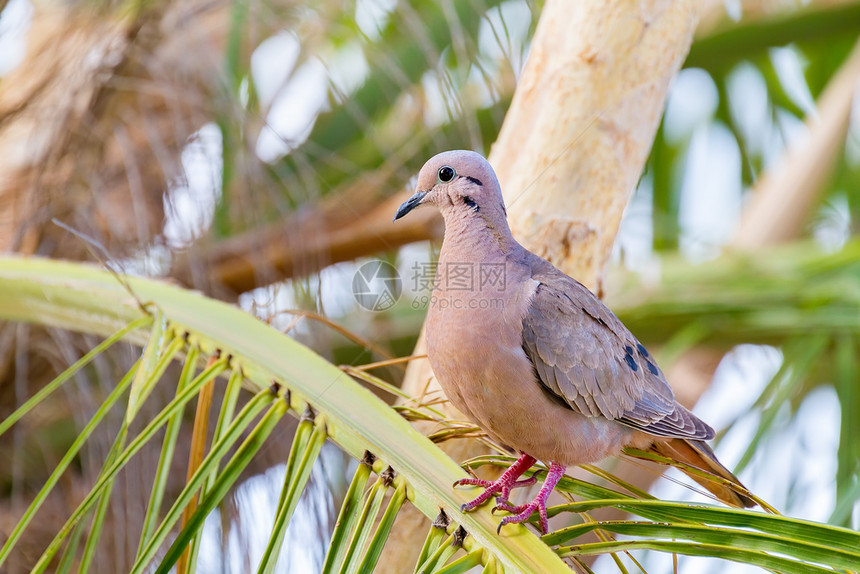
[{"x": 472, "y": 238}]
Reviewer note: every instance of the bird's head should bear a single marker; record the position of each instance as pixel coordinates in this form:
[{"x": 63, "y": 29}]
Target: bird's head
[{"x": 459, "y": 183}]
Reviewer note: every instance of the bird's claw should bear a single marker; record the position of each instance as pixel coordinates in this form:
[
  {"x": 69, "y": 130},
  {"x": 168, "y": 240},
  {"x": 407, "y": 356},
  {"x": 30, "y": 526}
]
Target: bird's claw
[
  {"x": 491, "y": 489},
  {"x": 501, "y": 487},
  {"x": 520, "y": 514},
  {"x": 523, "y": 513},
  {"x": 507, "y": 482},
  {"x": 535, "y": 475}
]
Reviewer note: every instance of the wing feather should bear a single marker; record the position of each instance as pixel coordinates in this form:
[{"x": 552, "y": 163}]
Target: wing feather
[{"x": 585, "y": 356}]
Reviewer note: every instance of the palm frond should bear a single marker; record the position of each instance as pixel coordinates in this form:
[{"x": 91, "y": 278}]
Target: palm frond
[{"x": 285, "y": 377}]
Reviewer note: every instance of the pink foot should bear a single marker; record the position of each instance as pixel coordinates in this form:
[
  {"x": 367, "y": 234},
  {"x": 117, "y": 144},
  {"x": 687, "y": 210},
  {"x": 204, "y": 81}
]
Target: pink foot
[
  {"x": 522, "y": 513},
  {"x": 502, "y": 486}
]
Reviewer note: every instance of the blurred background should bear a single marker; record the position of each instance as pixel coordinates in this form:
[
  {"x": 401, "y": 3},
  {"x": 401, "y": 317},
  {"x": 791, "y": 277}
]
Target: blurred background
[{"x": 256, "y": 151}]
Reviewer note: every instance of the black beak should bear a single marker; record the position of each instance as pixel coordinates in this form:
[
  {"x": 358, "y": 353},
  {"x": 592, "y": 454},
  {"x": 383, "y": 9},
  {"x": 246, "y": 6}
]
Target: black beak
[{"x": 410, "y": 204}]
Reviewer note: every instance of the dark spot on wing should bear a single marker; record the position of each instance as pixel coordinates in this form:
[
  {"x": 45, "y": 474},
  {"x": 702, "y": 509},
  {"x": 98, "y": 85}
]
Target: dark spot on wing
[
  {"x": 642, "y": 350},
  {"x": 474, "y": 180},
  {"x": 652, "y": 368},
  {"x": 629, "y": 349},
  {"x": 631, "y": 362},
  {"x": 595, "y": 317}
]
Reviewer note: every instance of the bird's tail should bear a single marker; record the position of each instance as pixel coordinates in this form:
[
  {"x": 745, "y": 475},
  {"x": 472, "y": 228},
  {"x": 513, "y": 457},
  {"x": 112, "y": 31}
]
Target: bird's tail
[{"x": 698, "y": 454}]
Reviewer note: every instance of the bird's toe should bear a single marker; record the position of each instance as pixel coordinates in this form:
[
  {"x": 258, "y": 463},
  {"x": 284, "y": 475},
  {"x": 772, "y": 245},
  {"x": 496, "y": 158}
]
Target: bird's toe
[
  {"x": 520, "y": 514},
  {"x": 525, "y": 482},
  {"x": 504, "y": 505}
]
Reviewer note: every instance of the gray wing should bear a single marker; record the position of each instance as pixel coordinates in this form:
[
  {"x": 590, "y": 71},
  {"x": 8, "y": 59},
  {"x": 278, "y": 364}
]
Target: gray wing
[{"x": 583, "y": 354}]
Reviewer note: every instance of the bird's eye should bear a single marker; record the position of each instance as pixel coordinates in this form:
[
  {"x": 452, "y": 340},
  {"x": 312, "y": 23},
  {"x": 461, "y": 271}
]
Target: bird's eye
[{"x": 446, "y": 173}]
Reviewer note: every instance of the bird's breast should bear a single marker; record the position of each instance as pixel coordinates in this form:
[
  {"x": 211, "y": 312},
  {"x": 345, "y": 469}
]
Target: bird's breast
[
  {"x": 474, "y": 306},
  {"x": 474, "y": 335}
]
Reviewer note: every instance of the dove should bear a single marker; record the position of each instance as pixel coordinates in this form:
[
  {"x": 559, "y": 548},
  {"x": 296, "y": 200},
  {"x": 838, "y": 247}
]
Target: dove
[{"x": 536, "y": 359}]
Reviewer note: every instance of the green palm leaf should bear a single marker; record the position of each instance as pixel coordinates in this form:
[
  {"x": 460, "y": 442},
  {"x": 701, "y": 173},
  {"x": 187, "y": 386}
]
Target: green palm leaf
[
  {"x": 286, "y": 377},
  {"x": 85, "y": 298}
]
